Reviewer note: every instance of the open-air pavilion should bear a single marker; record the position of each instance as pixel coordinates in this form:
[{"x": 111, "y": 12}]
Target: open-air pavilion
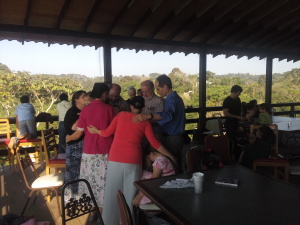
[{"x": 259, "y": 28}]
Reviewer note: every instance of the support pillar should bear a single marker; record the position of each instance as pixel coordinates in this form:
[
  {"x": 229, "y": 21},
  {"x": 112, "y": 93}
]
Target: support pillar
[
  {"x": 202, "y": 89},
  {"x": 269, "y": 71},
  {"x": 107, "y": 60}
]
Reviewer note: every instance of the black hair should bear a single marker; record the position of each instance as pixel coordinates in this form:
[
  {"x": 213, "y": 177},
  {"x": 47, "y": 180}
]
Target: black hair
[
  {"x": 247, "y": 107},
  {"x": 265, "y": 106},
  {"x": 236, "y": 88},
  {"x": 63, "y": 96},
  {"x": 77, "y": 95},
  {"x": 24, "y": 99},
  {"x": 164, "y": 80}
]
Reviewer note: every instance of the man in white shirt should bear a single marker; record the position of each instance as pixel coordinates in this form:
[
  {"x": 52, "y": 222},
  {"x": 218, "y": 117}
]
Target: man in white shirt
[{"x": 62, "y": 108}]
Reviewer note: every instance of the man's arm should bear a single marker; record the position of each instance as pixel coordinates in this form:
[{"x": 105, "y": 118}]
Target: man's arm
[
  {"x": 77, "y": 134},
  {"x": 228, "y": 114},
  {"x": 146, "y": 116}
]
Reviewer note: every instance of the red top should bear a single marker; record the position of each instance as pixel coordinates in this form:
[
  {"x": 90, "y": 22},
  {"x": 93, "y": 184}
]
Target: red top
[
  {"x": 126, "y": 146},
  {"x": 100, "y": 115}
]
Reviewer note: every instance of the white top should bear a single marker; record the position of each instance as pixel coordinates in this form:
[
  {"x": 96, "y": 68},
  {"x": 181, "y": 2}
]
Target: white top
[{"x": 62, "y": 108}]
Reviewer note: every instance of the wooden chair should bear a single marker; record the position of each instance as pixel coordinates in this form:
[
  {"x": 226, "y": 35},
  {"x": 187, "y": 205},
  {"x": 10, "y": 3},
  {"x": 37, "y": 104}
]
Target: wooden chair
[
  {"x": 74, "y": 207},
  {"x": 49, "y": 143},
  {"x": 46, "y": 182},
  {"x": 273, "y": 161},
  {"x": 192, "y": 156},
  {"x": 124, "y": 209},
  {"x": 4, "y": 140},
  {"x": 30, "y": 142},
  {"x": 220, "y": 145}
]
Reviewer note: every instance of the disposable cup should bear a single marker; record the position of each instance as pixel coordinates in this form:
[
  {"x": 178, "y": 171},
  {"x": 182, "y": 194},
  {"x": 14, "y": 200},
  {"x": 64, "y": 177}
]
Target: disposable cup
[{"x": 198, "y": 182}]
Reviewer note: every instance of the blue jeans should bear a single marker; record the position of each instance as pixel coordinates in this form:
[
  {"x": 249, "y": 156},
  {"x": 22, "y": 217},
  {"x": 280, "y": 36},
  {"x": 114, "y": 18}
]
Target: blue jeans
[{"x": 62, "y": 137}]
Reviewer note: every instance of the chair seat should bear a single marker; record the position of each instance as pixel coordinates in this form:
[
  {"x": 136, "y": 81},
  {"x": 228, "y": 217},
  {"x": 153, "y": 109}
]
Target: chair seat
[
  {"x": 30, "y": 140},
  {"x": 58, "y": 159},
  {"x": 279, "y": 160},
  {"x": 149, "y": 207},
  {"x": 4, "y": 141},
  {"x": 50, "y": 180}
]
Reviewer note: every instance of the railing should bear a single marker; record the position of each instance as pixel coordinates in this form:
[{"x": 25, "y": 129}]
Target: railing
[
  {"x": 279, "y": 110},
  {"x": 292, "y": 112}
]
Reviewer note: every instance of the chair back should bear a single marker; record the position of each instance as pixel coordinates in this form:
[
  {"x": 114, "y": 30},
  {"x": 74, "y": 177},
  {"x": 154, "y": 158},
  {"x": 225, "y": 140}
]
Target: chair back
[
  {"x": 124, "y": 209},
  {"x": 24, "y": 162},
  {"x": 4, "y": 128},
  {"x": 49, "y": 143},
  {"x": 220, "y": 145},
  {"x": 192, "y": 156},
  {"x": 274, "y": 127},
  {"x": 78, "y": 207}
]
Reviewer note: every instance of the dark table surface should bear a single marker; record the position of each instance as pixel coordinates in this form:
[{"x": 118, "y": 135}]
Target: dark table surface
[{"x": 257, "y": 200}]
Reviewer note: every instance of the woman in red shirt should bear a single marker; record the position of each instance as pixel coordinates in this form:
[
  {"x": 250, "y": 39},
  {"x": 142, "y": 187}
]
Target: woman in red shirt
[{"x": 125, "y": 157}]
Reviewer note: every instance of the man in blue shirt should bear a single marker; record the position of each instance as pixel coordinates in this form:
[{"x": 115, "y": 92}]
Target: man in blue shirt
[{"x": 171, "y": 120}]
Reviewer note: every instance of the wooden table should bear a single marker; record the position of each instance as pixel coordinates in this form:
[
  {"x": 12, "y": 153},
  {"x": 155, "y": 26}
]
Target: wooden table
[{"x": 257, "y": 200}]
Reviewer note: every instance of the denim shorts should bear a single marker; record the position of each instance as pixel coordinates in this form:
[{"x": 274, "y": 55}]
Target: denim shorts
[{"x": 28, "y": 126}]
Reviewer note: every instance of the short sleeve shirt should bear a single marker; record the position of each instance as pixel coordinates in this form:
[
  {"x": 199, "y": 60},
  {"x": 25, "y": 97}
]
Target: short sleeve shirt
[
  {"x": 165, "y": 165},
  {"x": 235, "y": 108}
]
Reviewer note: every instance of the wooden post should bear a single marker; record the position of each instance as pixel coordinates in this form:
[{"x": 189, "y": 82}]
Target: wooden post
[
  {"x": 269, "y": 71},
  {"x": 202, "y": 89},
  {"x": 107, "y": 60}
]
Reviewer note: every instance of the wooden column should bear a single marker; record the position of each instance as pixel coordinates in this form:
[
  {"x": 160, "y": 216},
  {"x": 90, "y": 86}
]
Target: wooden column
[
  {"x": 269, "y": 71},
  {"x": 107, "y": 60},
  {"x": 202, "y": 89}
]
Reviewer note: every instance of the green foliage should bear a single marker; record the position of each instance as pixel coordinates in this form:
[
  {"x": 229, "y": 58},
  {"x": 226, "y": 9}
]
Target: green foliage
[{"x": 44, "y": 89}]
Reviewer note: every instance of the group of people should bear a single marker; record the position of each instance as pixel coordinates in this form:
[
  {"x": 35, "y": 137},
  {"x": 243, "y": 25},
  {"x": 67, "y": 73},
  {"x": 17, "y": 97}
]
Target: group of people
[
  {"x": 239, "y": 116},
  {"x": 109, "y": 138}
]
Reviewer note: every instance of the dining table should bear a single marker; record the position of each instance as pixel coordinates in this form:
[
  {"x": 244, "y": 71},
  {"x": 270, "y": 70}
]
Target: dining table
[
  {"x": 287, "y": 127},
  {"x": 258, "y": 199}
]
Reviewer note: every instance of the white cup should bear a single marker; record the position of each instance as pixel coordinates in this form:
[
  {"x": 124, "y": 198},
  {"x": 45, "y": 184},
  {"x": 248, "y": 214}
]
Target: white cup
[{"x": 198, "y": 182}]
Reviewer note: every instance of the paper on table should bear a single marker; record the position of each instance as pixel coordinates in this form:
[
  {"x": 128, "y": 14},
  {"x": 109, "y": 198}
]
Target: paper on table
[{"x": 178, "y": 183}]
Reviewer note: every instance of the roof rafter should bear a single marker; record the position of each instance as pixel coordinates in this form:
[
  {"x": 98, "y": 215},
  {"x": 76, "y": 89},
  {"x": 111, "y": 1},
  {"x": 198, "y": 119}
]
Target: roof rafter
[
  {"x": 120, "y": 15},
  {"x": 91, "y": 14},
  {"x": 62, "y": 13}
]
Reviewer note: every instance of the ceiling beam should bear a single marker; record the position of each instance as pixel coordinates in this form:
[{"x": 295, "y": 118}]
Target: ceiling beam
[
  {"x": 91, "y": 14},
  {"x": 28, "y": 12},
  {"x": 146, "y": 15},
  {"x": 182, "y": 26},
  {"x": 125, "y": 8},
  {"x": 266, "y": 11},
  {"x": 282, "y": 15},
  {"x": 205, "y": 8},
  {"x": 221, "y": 28},
  {"x": 208, "y": 22},
  {"x": 161, "y": 25},
  {"x": 250, "y": 8},
  {"x": 62, "y": 13},
  {"x": 227, "y": 9}
]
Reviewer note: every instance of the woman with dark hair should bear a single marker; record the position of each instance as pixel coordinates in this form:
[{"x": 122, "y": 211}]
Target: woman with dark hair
[
  {"x": 95, "y": 150},
  {"x": 125, "y": 156},
  {"x": 260, "y": 146},
  {"x": 244, "y": 125},
  {"x": 73, "y": 148}
]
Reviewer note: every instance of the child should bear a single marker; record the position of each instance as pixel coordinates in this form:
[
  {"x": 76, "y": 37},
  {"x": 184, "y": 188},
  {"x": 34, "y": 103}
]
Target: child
[
  {"x": 25, "y": 117},
  {"x": 265, "y": 117},
  {"x": 161, "y": 167}
]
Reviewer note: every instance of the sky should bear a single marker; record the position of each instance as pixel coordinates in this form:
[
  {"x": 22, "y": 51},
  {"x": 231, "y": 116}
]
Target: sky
[{"x": 63, "y": 59}]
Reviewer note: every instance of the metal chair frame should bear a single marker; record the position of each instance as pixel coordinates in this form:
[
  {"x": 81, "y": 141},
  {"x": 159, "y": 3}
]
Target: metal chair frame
[{"x": 79, "y": 207}]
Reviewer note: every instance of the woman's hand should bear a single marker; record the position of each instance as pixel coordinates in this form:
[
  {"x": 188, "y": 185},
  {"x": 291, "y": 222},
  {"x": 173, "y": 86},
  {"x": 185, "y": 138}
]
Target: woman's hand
[{"x": 93, "y": 130}]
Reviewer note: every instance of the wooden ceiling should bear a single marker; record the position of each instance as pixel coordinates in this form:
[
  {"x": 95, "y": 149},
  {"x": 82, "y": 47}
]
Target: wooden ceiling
[{"x": 231, "y": 27}]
